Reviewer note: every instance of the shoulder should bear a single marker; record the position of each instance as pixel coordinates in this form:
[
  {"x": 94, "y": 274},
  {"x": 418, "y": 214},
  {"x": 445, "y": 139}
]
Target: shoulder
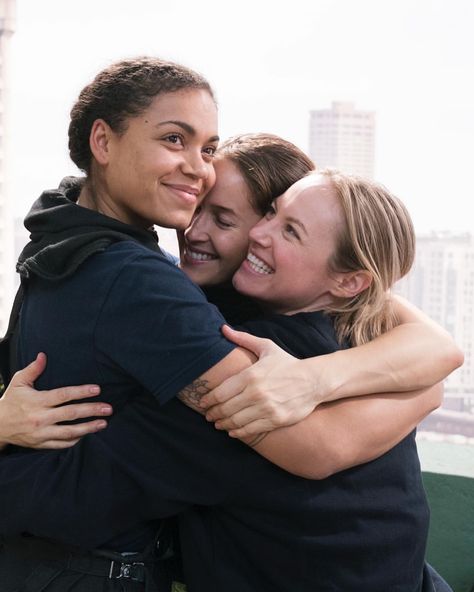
[
  {"x": 147, "y": 270},
  {"x": 235, "y": 307},
  {"x": 302, "y": 335}
]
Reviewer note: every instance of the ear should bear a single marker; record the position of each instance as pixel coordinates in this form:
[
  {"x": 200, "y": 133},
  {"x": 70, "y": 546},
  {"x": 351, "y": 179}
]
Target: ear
[
  {"x": 99, "y": 140},
  {"x": 351, "y": 283}
]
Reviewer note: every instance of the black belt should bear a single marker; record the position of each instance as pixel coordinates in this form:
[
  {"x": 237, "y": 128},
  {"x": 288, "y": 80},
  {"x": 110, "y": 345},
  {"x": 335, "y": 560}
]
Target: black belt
[{"x": 137, "y": 567}]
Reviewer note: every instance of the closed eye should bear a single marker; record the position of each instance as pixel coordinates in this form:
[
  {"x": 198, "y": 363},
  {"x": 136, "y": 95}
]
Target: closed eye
[{"x": 223, "y": 223}]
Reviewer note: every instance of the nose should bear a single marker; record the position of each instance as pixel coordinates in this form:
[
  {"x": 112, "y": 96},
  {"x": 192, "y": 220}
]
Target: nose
[
  {"x": 261, "y": 233},
  {"x": 200, "y": 166},
  {"x": 197, "y": 231}
]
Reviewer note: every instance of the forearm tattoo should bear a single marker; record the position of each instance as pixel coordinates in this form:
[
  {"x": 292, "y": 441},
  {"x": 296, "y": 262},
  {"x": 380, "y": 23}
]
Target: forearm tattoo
[{"x": 192, "y": 394}]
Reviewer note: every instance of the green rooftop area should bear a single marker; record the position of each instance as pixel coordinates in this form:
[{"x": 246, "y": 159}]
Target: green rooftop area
[{"x": 448, "y": 474}]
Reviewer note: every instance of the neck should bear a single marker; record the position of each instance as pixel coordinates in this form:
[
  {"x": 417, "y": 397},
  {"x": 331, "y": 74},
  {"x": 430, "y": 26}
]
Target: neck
[
  {"x": 94, "y": 197},
  {"x": 87, "y": 198}
]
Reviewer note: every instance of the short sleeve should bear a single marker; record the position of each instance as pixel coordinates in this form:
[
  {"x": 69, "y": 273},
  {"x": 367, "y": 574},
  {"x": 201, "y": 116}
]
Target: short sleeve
[{"x": 157, "y": 327}]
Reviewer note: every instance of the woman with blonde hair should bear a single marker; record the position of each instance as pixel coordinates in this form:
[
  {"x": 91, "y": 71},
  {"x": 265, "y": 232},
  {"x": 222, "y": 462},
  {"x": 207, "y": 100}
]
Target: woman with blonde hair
[{"x": 362, "y": 528}]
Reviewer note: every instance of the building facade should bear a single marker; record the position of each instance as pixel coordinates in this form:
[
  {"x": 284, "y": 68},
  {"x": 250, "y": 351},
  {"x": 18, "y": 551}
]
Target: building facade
[
  {"x": 344, "y": 138},
  {"x": 7, "y": 27},
  {"x": 441, "y": 283}
]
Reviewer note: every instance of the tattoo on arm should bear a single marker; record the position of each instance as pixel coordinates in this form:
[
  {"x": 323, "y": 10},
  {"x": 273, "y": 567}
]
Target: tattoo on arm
[{"x": 192, "y": 394}]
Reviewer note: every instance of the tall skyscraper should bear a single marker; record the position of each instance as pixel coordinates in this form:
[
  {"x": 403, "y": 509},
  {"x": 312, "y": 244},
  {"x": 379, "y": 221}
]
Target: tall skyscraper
[
  {"x": 441, "y": 283},
  {"x": 344, "y": 138},
  {"x": 7, "y": 27}
]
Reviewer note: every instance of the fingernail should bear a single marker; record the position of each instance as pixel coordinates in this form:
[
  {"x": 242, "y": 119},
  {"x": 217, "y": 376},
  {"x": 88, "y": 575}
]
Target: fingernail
[
  {"x": 94, "y": 390},
  {"x": 101, "y": 425},
  {"x": 106, "y": 409}
]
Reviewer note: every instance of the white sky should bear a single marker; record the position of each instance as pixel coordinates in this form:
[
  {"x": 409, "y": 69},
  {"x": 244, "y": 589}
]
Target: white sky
[{"x": 412, "y": 61}]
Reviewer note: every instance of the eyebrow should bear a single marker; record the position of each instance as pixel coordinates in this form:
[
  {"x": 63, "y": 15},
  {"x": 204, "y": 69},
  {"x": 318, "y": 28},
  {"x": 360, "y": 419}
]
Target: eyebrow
[
  {"x": 186, "y": 127},
  {"x": 290, "y": 218}
]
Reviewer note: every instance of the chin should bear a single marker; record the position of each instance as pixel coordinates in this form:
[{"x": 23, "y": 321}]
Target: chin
[
  {"x": 241, "y": 286},
  {"x": 180, "y": 224}
]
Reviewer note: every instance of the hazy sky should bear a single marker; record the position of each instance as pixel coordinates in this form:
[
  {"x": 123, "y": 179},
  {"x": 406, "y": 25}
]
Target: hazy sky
[{"x": 412, "y": 61}]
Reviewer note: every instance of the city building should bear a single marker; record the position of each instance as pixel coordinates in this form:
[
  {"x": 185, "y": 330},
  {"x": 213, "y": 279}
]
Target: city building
[
  {"x": 441, "y": 283},
  {"x": 344, "y": 138},
  {"x": 7, "y": 27}
]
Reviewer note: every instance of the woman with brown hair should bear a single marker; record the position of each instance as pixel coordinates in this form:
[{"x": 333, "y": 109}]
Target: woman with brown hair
[{"x": 97, "y": 284}]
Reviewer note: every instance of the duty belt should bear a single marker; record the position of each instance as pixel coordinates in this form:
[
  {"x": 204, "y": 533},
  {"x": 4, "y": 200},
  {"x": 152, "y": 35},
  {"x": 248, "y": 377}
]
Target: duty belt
[{"x": 136, "y": 567}]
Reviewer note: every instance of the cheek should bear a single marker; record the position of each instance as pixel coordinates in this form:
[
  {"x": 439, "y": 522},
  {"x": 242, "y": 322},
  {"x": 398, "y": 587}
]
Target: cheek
[{"x": 237, "y": 247}]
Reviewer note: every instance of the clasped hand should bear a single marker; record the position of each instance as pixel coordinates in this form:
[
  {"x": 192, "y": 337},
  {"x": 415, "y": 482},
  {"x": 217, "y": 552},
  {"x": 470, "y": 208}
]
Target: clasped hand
[
  {"x": 278, "y": 390},
  {"x": 32, "y": 418}
]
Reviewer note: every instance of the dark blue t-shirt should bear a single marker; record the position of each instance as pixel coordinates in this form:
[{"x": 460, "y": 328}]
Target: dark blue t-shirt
[
  {"x": 129, "y": 320},
  {"x": 245, "y": 525}
]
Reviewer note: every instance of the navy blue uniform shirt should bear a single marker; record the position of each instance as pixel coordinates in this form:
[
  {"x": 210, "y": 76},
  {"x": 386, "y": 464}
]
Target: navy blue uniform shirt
[
  {"x": 245, "y": 525},
  {"x": 129, "y": 320}
]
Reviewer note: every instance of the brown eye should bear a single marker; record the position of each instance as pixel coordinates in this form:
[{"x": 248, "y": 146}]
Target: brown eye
[
  {"x": 210, "y": 150},
  {"x": 174, "y": 139}
]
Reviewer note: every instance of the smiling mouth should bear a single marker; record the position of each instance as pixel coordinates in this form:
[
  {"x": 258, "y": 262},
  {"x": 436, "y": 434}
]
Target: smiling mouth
[
  {"x": 189, "y": 194},
  {"x": 258, "y": 265},
  {"x": 199, "y": 256}
]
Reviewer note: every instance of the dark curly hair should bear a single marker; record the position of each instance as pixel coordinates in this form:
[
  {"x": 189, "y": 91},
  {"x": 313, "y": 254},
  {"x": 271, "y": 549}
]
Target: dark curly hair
[{"x": 124, "y": 89}]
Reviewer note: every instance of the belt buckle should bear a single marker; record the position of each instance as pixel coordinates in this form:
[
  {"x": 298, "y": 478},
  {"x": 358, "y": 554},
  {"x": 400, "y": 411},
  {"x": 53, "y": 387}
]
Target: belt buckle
[{"x": 130, "y": 571}]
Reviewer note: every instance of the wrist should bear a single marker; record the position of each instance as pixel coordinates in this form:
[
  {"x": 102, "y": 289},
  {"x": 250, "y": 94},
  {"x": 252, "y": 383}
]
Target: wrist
[
  {"x": 315, "y": 378},
  {"x": 329, "y": 374}
]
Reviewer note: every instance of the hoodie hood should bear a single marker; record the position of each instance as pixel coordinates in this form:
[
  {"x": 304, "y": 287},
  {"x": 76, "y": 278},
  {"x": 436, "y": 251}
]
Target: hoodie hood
[{"x": 63, "y": 235}]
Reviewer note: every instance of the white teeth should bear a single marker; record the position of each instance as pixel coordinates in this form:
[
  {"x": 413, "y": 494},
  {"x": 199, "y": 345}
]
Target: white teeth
[
  {"x": 199, "y": 256},
  {"x": 258, "y": 265}
]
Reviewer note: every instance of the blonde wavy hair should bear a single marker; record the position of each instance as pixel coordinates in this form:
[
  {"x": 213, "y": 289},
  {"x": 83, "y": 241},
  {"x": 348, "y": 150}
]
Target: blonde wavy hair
[{"x": 379, "y": 238}]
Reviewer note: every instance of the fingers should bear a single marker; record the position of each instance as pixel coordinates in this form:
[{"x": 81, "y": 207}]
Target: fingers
[
  {"x": 66, "y": 394},
  {"x": 30, "y": 373},
  {"x": 251, "y": 400},
  {"x": 80, "y": 411},
  {"x": 257, "y": 345},
  {"x": 252, "y": 429},
  {"x": 267, "y": 417},
  {"x": 231, "y": 387},
  {"x": 56, "y": 444},
  {"x": 58, "y": 437},
  {"x": 77, "y": 431}
]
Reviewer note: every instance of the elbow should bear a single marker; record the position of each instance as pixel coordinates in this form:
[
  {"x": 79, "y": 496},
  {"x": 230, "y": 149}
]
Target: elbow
[
  {"x": 322, "y": 469},
  {"x": 323, "y": 473},
  {"x": 457, "y": 357},
  {"x": 316, "y": 473},
  {"x": 453, "y": 356}
]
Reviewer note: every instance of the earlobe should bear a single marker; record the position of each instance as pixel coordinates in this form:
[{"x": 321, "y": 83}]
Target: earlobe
[
  {"x": 351, "y": 283},
  {"x": 99, "y": 141}
]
